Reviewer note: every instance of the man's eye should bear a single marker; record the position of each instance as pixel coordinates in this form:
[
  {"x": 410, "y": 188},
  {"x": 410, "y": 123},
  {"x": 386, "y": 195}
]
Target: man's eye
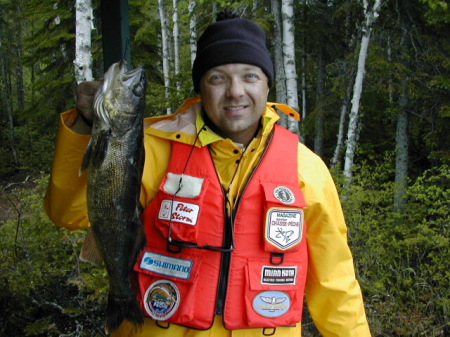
[
  {"x": 252, "y": 77},
  {"x": 216, "y": 78}
]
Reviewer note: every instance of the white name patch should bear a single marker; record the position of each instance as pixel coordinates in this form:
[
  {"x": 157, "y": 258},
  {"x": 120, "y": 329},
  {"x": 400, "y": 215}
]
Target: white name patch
[
  {"x": 284, "y": 227},
  {"x": 182, "y": 212}
]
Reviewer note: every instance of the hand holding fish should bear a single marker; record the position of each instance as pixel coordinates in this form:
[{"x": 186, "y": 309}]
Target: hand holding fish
[{"x": 85, "y": 105}]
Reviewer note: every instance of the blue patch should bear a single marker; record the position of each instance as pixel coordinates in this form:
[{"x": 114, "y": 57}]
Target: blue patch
[
  {"x": 272, "y": 303},
  {"x": 167, "y": 265}
]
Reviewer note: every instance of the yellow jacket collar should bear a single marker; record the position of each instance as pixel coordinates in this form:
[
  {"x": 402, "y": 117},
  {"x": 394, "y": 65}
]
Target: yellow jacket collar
[{"x": 187, "y": 121}]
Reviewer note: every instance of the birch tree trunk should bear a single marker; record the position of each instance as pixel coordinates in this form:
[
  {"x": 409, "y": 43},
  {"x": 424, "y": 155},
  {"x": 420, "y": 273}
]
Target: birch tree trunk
[
  {"x": 343, "y": 116},
  {"x": 193, "y": 30},
  {"x": 370, "y": 16},
  {"x": 165, "y": 51},
  {"x": 280, "y": 80},
  {"x": 176, "y": 44},
  {"x": 83, "y": 27},
  {"x": 287, "y": 10}
]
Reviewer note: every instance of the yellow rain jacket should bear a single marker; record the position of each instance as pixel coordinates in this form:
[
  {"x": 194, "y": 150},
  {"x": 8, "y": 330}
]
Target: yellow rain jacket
[{"x": 333, "y": 294}]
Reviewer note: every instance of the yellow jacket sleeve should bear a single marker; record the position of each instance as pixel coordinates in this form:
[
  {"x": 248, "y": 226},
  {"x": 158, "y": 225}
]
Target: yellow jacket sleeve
[
  {"x": 332, "y": 291},
  {"x": 65, "y": 200}
]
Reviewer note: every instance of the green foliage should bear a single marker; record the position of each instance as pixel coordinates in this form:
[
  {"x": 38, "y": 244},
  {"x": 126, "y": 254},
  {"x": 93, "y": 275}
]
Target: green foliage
[
  {"x": 402, "y": 259},
  {"x": 44, "y": 289}
]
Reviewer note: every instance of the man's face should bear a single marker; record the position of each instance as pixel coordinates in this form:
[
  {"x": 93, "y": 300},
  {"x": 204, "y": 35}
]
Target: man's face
[{"x": 234, "y": 97}]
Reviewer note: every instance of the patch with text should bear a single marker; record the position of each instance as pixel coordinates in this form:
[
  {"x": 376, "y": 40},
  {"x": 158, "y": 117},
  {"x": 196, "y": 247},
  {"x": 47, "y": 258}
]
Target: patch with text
[
  {"x": 278, "y": 275},
  {"x": 284, "y": 227},
  {"x": 167, "y": 265},
  {"x": 161, "y": 300},
  {"x": 182, "y": 212}
]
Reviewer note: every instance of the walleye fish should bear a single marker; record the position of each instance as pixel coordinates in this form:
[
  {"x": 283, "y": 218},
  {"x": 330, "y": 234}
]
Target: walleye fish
[{"x": 114, "y": 160}]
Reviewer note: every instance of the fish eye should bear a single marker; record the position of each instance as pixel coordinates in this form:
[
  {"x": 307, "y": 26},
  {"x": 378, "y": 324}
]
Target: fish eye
[{"x": 138, "y": 89}]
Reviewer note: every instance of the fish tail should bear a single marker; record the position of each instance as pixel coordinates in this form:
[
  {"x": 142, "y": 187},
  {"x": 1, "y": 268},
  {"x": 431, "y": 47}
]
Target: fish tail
[{"x": 120, "y": 309}]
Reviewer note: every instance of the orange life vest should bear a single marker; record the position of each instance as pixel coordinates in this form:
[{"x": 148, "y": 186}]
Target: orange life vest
[{"x": 250, "y": 266}]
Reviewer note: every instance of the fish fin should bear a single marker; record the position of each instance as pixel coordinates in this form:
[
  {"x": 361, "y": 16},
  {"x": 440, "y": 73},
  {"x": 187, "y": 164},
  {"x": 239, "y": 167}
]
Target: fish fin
[
  {"x": 86, "y": 159},
  {"x": 90, "y": 252},
  {"x": 140, "y": 242},
  {"x": 120, "y": 309},
  {"x": 101, "y": 147}
]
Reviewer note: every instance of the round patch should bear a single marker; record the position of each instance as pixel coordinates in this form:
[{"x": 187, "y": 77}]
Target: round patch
[
  {"x": 161, "y": 300},
  {"x": 272, "y": 303},
  {"x": 284, "y": 194}
]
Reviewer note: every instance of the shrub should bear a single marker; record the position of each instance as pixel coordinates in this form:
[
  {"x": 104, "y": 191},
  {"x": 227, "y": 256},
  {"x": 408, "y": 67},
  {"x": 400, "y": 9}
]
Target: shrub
[{"x": 402, "y": 259}]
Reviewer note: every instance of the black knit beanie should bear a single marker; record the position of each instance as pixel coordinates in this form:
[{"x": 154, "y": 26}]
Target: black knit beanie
[{"x": 231, "y": 41}]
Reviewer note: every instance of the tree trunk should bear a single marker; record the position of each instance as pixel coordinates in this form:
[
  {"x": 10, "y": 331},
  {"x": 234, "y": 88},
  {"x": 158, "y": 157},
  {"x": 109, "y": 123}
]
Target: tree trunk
[
  {"x": 401, "y": 153},
  {"x": 193, "y": 30},
  {"x": 287, "y": 10},
  {"x": 401, "y": 136},
  {"x": 19, "y": 67},
  {"x": 176, "y": 44},
  {"x": 343, "y": 116},
  {"x": 280, "y": 80},
  {"x": 352, "y": 133},
  {"x": 83, "y": 55},
  {"x": 320, "y": 100},
  {"x": 304, "y": 83},
  {"x": 165, "y": 51},
  {"x": 6, "y": 84}
]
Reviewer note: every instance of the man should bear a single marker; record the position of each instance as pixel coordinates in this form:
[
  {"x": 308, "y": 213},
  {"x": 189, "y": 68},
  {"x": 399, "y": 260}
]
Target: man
[{"x": 256, "y": 223}]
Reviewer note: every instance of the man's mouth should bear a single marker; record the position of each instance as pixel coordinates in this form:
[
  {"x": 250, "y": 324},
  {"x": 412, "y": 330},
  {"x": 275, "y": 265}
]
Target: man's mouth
[{"x": 235, "y": 108}]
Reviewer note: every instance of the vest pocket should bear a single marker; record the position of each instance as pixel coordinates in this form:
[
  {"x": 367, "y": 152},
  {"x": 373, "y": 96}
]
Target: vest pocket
[
  {"x": 273, "y": 295},
  {"x": 167, "y": 285},
  {"x": 179, "y": 208}
]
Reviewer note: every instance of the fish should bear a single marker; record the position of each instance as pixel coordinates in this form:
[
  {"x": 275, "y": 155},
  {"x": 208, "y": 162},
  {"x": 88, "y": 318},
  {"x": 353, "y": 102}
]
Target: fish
[{"x": 114, "y": 161}]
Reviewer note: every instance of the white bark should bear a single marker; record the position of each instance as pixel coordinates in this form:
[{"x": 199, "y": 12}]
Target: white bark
[
  {"x": 352, "y": 133},
  {"x": 83, "y": 54},
  {"x": 176, "y": 43},
  {"x": 340, "y": 137},
  {"x": 280, "y": 80},
  {"x": 165, "y": 50},
  {"x": 287, "y": 10},
  {"x": 193, "y": 30}
]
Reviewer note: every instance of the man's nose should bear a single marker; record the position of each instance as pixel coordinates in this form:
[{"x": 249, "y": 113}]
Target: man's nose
[{"x": 235, "y": 88}]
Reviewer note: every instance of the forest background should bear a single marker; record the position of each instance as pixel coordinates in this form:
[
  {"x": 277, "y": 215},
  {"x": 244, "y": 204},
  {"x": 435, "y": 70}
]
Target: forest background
[{"x": 395, "y": 191}]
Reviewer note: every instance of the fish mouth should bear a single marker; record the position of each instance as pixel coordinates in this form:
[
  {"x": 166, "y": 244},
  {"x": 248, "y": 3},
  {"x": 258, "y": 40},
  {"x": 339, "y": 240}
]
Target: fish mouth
[
  {"x": 135, "y": 79},
  {"x": 118, "y": 75}
]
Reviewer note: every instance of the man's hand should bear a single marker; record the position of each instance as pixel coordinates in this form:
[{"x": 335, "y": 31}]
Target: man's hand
[{"x": 85, "y": 105}]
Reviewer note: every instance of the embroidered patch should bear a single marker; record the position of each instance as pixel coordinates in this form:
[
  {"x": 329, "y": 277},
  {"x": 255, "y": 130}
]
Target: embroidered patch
[
  {"x": 183, "y": 212},
  {"x": 167, "y": 265},
  {"x": 278, "y": 275},
  {"x": 284, "y": 227},
  {"x": 161, "y": 300},
  {"x": 284, "y": 194},
  {"x": 272, "y": 303}
]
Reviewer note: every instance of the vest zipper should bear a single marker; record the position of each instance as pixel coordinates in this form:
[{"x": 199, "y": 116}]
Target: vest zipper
[
  {"x": 229, "y": 224},
  {"x": 225, "y": 261}
]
